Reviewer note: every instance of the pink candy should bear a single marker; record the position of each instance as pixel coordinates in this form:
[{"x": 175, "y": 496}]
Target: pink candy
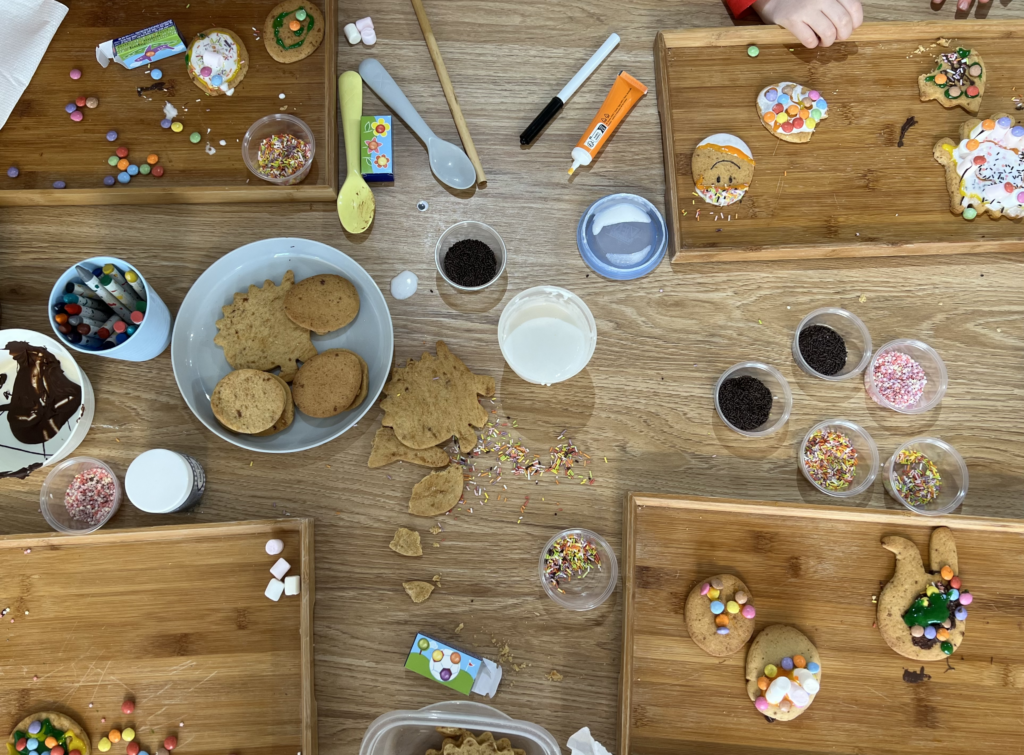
[
  {"x": 748, "y": 612},
  {"x": 705, "y": 588},
  {"x": 966, "y": 598},
  {"x": 761, "y": 704},
  {"x": 76, "y": 116},
  {"x": 76, "y": 74},
  {"x": 814, "y": 94},
  {"x": 205, "y": 71}
]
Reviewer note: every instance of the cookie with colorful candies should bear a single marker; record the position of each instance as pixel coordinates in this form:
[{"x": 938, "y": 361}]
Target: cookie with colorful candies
[
  {"x": 791, "y": 111},
  {"x": 66, "y": 734},
  {"x": 922, "y": 615},
  {"x": 783, "y": 672},
  {"x": 719, "y": 614},
  {"x": 957, "y": 80},
  {"x": 722, "y": 166},
  {"x": 985, "y": 170}
]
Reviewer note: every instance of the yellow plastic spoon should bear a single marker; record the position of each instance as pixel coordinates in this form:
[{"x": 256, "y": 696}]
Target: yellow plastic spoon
[{"x": 355, "y": 200}]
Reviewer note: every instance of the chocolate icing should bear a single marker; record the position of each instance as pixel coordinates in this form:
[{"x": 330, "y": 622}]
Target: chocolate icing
[{"x": 43, "y": 398}]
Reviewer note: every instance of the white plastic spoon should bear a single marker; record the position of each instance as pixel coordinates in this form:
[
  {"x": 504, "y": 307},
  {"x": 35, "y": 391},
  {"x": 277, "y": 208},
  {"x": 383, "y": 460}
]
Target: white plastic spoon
[{"x": 449, "y": 163}]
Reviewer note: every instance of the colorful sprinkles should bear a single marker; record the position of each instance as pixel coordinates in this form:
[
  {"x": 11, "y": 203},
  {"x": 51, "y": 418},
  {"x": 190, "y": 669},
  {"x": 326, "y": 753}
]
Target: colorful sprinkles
[
  {"x": 917, "y": 478},
  {"x": 899, "y": 379},
  {"x": 90, "y": 496},
  {"x": 934, "y": 615},
  {"x": 570, "y": 557},
  {"x": 789, "y": 685},
  {"x": 282, "y": 155},
  {"x": 830, "y": 459}
]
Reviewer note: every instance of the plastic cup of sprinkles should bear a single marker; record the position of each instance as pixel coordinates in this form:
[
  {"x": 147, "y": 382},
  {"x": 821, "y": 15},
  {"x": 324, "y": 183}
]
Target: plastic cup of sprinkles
[
  {"x": 906, "y": 376},
  {"x": 752, "y": 410},
  {"x": 578, "y": 569},
  {"x": 832, "y": 344},
  {"x": 927, "y": 475},
  {"x": 839, "y": 458}
]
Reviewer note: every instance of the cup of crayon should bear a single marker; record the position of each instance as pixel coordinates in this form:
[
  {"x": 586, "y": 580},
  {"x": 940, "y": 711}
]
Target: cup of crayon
[{"x": 104, "y": 305}]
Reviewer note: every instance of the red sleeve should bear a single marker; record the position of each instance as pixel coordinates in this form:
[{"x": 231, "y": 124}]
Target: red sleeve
[{"x": 736, "y": 7}]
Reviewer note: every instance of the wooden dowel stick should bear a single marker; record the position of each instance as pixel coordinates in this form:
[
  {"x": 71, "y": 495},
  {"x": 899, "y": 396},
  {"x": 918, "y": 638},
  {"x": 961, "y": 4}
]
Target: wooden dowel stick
[{"x": 449, "y": 92}]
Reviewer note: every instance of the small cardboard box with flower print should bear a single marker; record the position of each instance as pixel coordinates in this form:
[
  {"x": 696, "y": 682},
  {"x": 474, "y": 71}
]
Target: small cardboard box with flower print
[{"x": 376, "y": 154}]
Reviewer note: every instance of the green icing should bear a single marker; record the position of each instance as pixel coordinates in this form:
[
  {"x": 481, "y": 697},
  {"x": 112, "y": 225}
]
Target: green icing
[
  {"x": 933, "y": 609},
  {"x": 301, "y": 33},
  {"x": 962, "y": 52}
]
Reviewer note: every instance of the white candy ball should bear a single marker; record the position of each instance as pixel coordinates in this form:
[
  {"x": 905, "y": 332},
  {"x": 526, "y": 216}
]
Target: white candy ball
[{"x": 274, "y": 547}]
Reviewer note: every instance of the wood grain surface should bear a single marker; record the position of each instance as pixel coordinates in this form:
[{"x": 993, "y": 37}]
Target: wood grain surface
[
  {"x": 644, "y": 402},
  {"x": 46, "y": 145},
  {"x": 172, "y": 618},
  {"x": 851, "y": 190},
  {"x": 816, "y": 568}
]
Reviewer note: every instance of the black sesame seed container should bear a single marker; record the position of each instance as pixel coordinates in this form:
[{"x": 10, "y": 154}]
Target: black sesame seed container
[
  {"x": 471, "y": 266},
  {"x": 753, "y": 413},
  {"x": 832, "y": 344}
]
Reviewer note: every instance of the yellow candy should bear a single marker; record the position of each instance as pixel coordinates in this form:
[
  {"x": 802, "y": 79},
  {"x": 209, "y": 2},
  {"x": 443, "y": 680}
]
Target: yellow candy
[
  {"x": 771, "y": 671},
  {"x": 103, "y": 745},
  {"x": 930, "y": 590},
  {"x": 810, "y": 122},
  {"x": 128, "y": 734},
  {"x": 177, "y": 127},
  {"x": 781, "y": 118},
  {"x": 732, "y": 607},
  {"x": 713, "y": 593}
]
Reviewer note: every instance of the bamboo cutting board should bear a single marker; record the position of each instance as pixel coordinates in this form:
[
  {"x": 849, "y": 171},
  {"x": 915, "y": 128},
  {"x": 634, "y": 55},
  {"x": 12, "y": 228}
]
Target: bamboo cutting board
[
  {"x": 817, "y": 568},
  {"x": 173, "y": 618},
  {"x": 42, "y": 141},
  {"x": 849, "y": 191}
]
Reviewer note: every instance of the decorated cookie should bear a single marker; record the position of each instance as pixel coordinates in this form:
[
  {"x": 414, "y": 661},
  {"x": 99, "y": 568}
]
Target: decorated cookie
[
  {"x": 985, "y": 171},
  {"x": 791, "y": 111},
  {"x": 958, "y": 79},
  {"x": 33, "y": 735},
  {"x": 783, "y": 672},
  {"x": 293, "y": 30},
  {"x": 217, "y": 61},
  {"x": 920, "y": 615},
  {"x": 722, "y": 167},
  {"x": 720, "y": 615}
]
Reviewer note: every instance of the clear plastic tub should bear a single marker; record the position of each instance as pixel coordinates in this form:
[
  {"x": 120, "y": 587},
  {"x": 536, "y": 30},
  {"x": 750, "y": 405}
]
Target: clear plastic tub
[
  {"x": 413, "y": 732},
  {"x": 782, "y": 397},
  {"x": 853, "y": 331},
  {"x": 626, "y": 249},
  {"x": 470, "y": 229},
  {"x": 594, "y": 589},
  {"x": 930, "y": 362},
  {"x": 867, "y": 456},
  {"x": 51, "y": 495},
  {"x": 952, "y": 469},
  {"x": 277, "y": 123}
]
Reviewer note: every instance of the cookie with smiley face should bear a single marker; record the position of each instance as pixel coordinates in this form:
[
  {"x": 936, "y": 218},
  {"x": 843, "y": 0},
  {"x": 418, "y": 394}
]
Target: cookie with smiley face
[
  {"x": 722, "y": 167},
  {"x": 791, "y": 111}
]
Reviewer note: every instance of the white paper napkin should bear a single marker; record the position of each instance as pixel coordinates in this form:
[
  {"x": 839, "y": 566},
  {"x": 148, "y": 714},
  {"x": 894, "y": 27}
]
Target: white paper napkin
[
  {"x": 583, "y": 743},
  {"x": 26, "y": 32}
]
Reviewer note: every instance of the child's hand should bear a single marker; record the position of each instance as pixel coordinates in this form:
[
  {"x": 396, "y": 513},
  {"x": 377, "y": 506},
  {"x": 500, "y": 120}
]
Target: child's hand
[
  {"x": 814, "y": 22},
  {"x": 966, "y": 4}
]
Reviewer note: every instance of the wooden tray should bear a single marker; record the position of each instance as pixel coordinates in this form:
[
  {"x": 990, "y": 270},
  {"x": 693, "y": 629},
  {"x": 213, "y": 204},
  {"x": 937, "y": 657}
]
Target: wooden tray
[
  {"x": 849, "y": 191},
  {"x": 46, "y": 145},
  {"x": 171, "y": 617},
  {"x": 816, "y": 567}
]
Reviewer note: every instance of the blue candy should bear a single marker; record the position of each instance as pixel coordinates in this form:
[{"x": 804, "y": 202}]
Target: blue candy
[
  {"x": 133, "y": 170},
  {"x": 722, "y": 630},
  {"x": 1017, "y": 131},
  {"x": 820, "y": 104},
  {"x": 954, "y": 594},
  {"x": 33, "y": 744},
  {"x": 70, "y": 107},
  {"x": 165, "y": 123},
  {"x": 109, "y": 181},
  {"x": 929, "y": 632},
  {"x": 123, "y": 177},
  {"x": 717, "y": 607},
  {"x": 787, "y": 664},
  {"x": 960, "y": 613},
  {"x": 217, "y": 80},
  {"x": 157, "y": 74},
  {"x": 783, "y": 99},
  {"x": 814, "y": 668},
  {"x": 111, "y": 136},
  {"x": 59, "y": 185},
  {"x": 1004, "y": 122}
]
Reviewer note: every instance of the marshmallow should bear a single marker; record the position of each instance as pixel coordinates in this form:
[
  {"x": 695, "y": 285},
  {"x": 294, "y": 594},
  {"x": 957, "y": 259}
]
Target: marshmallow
[
  {"x": 777, "y": 690},
  {"x": 273, "y": 546},
  {"x": 807, "y": 680},
  {"x": 364, "y": 24},
  {"x": 799, "y": 696},
  {"x": 369, "y": 37},
  {"x": 280, "y": 568},
  {"x": 291, "y": 585},
  {"x": 274, "y": 590},
  {"x": 352, "y": 34}
]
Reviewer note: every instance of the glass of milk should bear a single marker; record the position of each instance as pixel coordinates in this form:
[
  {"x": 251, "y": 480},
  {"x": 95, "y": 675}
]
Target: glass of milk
[{"x": 547, "y": 335}]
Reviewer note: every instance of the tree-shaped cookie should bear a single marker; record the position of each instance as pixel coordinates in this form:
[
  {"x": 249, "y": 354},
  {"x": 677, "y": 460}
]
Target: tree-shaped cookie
[
  {"x": 922, "y": 615},
  {"x": 430, "y": 400}
]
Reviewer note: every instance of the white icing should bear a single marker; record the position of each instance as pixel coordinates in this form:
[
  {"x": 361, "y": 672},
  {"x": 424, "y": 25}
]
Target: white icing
[
  {"x": 170, "y": 112},
  {"x": 984, "y": 186},
  {"x": 728, "y": 140},
  {"x": 404, "y": 284},
  {"x": 629, "y": 260},
  {"x": 219, "y": 52},
  {"x": 731, "y": 195},
  {"x": 764, "y": 105},
  {"x": 624, "y": 212}
]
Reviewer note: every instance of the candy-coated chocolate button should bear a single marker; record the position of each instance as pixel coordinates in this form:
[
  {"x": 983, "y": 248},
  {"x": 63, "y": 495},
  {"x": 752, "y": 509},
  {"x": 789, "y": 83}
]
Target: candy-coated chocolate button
[
  {"x": 103, "y": 745},
  {"x": 20, "y": 744},
  {"x": 111, "y": 136},
  {"x": 732, "y": 607},
  {"x": 123, "y": 177},
  {"x": 717, "y": 583},
  {"x": 960, "y": 613},
  {"x": 761, "y": 704},
  {"x": 122, "y": 164},
  {"x": 80, "y": 101},
  {"x": 784, "y": 99},
  {"x": 76, "y": 75},
  {"x": 930, "y": 632},
  {"x": 177, "y": 127},
  {"x": 965, "y": 597},
  {"x": 152, "y": 160},
  {"x": 947, "y": 570},
  {"x": 769, "y": 117},
  {"x": 979, "y": 160},
  {"x": 940, "y": 78},
  {"x": 294, "y": 25},
  {"x": 205, "y": 71},
  {"x": 771, "y": 95},
  {"x": 704, "y": 588},
  {"x": 816, "y": 114},
  {"x": 133, "y": 170},
  {"x": 799, "y": 661},
  {"x": 158, "y": 170},
  {"x": 973, "y": 91},
  {"x": 810, "y": 123},
  {"x": 777, "y": 108},
  {"x": 942, "y": 634},
  {"x": 741, "y": 597},
  {"x": 77, "y": 116},
  {"x": 145, "y": 168},
  {"x": 50, "y": 741},
  {"x": 988, "y": 124},
  {"x": 972, "y": 144},
  {"x": 722, "y": 630},
  {"x": 114, "y": 736},
  {"x": 722, "y": 620},
  {"x": 970, "y": 214},
  {"x": 771, "y": 671},
  {"x": 787, "y": 664},
  {"x": 112, "y": 160},
  {"x": 56, "y": 750},
  {"x": 787, "y": 128},
  {"x": 92, "y": 102},
  {"x": 814, "y": 95},
  {"x": 752, "y": 51},
  {"x": 955, "y": 582},
  {"x": 217, "y": 80},
  {"x": 165, "y": 123},
  {"x": 805, "y": 113},
  {"x": 916, "y": 631},
  {"x": 714, "y": 593},
  {"x": 792, "y": 110},
  {"x": 133, "y": 748},
  {"x": 954, "y": 91},
  {"x": 33, "y": 744},
  {"x": 798, "y": 123},
  {"x": 717, "y": 607},
  {"x": 763, "y": 682},
  {"x": 814, "y": 668},
  {"x": 195, "y": 137},
  {"x": 1004, "y": 122},
  {"x": 781, "y": 118},
  {"x": 69, "y": 108},
  {"x": 121, "y": 152},
  {"x": 975, "y": 70},
  {"x": 171, "y": 742},
  {"x": 748, "y": 611}
]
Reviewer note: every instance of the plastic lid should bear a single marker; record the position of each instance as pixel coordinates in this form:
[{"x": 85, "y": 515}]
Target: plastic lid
[
  {"x": 158, "y": 481},
  {"x": 628, "y": 265}
]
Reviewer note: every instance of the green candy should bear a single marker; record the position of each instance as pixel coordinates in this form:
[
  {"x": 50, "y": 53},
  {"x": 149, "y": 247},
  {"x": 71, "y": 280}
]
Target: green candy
[
  {"x": 195, "y": 137},
  {"x": 753, "y": 51},
  {"x": 300, "y": 14},
  {"x": 144, "y": 169},
  {"x": 816, "y": 114},
  {"x": 970, "y": 213},
  {"x": 112, "y": 160}
]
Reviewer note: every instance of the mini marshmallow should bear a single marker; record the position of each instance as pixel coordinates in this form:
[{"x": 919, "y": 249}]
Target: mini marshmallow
[
  {"x": 364, "y": 24},
  {"x": 280, "y": 568},
  {"x": 369, "y": 37},
  {"x": 291, "y": 585},
  {"x": 274, "y": 547},
  {"x": 352, "y": 34},
  {"x": 274, "y": 590}
]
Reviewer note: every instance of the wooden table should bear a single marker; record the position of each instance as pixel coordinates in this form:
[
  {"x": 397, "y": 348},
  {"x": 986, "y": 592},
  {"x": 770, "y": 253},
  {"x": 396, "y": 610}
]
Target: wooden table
[{"x": 644, "y": 402}]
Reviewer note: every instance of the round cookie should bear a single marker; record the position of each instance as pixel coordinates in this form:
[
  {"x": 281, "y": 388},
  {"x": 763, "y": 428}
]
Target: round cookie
[
  {"x": 704, "y": 624},
  {"x": 722, "y": 166},
  {"x": 287, "y": 416},
  {"x": 322, "y": 303},
  {"x": 287, "y": 45},
  {"x": 78, "y": 739},
  {"x": 248, "y": 401},
  {"x": 217, "y": 55},
  {"x": 328, "y": 383},
  {"x": 791, "y": 111},
  {"x": 364, "y": 388},
  {"x": 775, "y": 645}
]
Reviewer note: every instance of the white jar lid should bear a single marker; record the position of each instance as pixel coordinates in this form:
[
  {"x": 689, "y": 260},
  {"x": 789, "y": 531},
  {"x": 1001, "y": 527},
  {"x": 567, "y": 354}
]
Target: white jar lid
[{"x": 158, "y": 481}]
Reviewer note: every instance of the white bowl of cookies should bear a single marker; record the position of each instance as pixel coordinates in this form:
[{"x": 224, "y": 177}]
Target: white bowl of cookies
[{"x": 282, "y": 345}]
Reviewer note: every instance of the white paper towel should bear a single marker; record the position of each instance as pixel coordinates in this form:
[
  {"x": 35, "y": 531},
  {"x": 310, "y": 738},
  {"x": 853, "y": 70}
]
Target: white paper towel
[
  {"x": 583, "y": 743},
  {"x": 28, "y": 28}
]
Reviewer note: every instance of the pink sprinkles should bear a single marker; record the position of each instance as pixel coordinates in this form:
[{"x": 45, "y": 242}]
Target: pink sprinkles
[
  {"x": 899, "y": 379},
  {"x": 90, "y": 496}
]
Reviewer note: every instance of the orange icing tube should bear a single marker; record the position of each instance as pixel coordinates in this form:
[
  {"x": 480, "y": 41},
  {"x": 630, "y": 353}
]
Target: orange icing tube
[{"x": 625, "y": 93}]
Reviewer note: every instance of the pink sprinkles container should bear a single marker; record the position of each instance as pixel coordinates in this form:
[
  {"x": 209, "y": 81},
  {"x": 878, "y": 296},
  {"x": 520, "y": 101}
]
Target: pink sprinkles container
[
  {"x": 892, "y": 380},
  {"x": 89, "y": 498}
]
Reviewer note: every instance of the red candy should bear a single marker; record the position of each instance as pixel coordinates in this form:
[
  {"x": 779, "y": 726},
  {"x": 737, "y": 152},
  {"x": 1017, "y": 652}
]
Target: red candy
[
  {"x": 80, "y": 101},
  {"x": 955, "y": 583},
  {"x": 21, "y": 744},
  {"x": 171, "y": 742},
  {"x": 128, "y": 707},
  {"x": 56, "y": 750},
  {"x": 972, "y": 91},
  {"x": 158, "y": 170},
  {"x": 777, "y": 108},
  {"x": 121, "y": 152},
  {"x": 787, "y": 127},
  {"x": 979, "y": 160},
  {"x": 133, "y": 748},
  {"x": 798, "y": 123},
  {"x": 1008, "y": 187}
]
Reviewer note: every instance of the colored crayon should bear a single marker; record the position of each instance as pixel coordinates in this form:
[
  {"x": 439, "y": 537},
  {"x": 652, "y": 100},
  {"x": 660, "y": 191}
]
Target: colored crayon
[
  {"x": 114, "y": 273},
  {"x": 137, "y": 317},
  {"x": 77, "y": 288},
  {"x": 119, "y": 291},
  {"x": 136, "y": 283},
  {"x": 93, "y": 283},
  {"x": 140, "y": 306}
]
